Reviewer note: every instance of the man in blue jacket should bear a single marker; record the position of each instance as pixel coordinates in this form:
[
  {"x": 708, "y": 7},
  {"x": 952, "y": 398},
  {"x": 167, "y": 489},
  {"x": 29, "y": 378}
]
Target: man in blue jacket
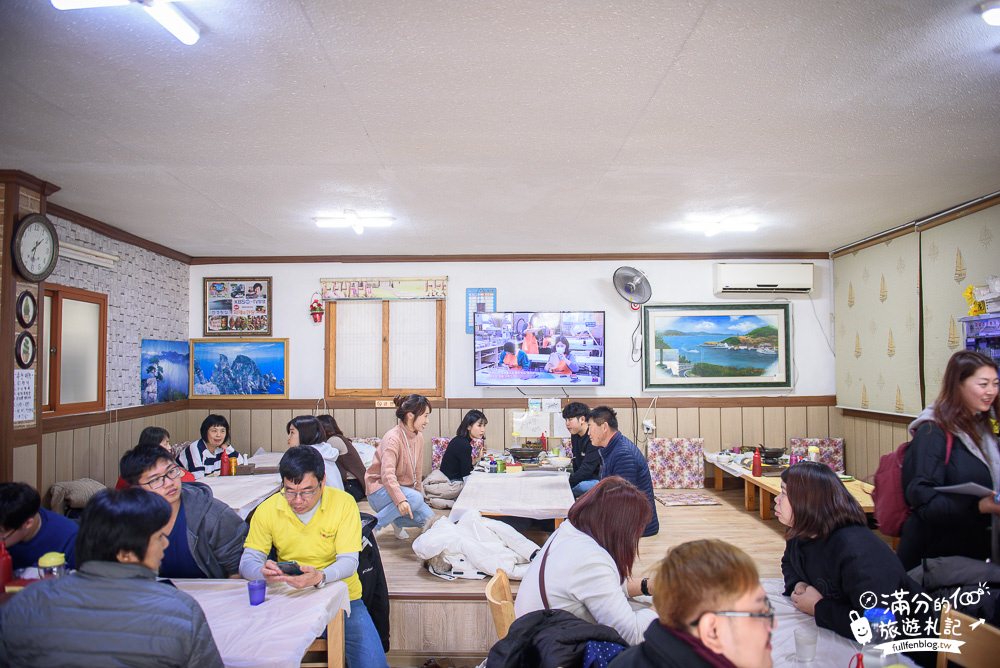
[{"x": 620, "y": 457}]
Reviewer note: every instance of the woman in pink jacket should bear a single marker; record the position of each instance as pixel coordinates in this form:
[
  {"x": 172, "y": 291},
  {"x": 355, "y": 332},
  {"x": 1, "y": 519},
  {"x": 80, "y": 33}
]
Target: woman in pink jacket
[{"x": 392, "y": 482}]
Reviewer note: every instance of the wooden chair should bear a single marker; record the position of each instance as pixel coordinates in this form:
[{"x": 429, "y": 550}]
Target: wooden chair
[
  {"x": 501, "y": 602},
  {"x": 332, "y": 646},
  {"x": 982, "y": 644}
]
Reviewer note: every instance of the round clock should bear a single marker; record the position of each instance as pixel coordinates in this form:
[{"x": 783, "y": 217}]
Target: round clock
[
  {"x": 27, "y": 308},
  {"x": 24, "y": 350},
  {"x": 36, "y": 247}
]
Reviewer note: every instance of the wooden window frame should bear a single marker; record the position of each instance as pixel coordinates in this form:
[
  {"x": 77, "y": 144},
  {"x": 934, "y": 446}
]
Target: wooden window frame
[
  {"x": 51, "y": 361},
  {"x": 436, "y": 392}
]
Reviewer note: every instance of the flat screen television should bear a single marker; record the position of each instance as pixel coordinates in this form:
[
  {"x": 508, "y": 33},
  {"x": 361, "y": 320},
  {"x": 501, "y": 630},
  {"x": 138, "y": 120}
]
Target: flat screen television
[{"x": 540, "y": 348}]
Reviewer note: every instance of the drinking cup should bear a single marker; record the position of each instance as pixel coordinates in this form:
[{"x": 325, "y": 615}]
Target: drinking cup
[
  {"x": 257, "y": 590},
  {"x": 805, "y": 644}
]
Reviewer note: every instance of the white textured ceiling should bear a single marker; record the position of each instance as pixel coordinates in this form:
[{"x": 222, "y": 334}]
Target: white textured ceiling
[{"x": 505, "y": 127}]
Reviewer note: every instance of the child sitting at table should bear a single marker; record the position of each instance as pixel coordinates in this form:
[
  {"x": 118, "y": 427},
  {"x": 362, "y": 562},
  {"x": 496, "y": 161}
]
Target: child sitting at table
[{"x": 512, "y": 358}]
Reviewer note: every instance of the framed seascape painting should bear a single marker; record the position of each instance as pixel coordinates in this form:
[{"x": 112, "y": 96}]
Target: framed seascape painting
[
  {"x": 237, "y": 306},
  {"x": 239, "y": 368},
  {"x": 163, "y": 370},
  {"x": 719, "y": 346}
]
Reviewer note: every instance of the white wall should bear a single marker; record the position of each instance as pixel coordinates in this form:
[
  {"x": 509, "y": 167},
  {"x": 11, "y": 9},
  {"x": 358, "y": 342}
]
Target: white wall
[{"x": 531, "y": 286}]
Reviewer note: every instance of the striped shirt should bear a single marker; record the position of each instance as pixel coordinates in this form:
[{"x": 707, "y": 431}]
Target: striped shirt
[{"x": 197, "y": 459}]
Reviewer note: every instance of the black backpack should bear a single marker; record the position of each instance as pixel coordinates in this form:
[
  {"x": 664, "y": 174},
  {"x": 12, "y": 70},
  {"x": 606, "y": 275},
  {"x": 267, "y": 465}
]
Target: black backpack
[{"x": 374, "y": 590}]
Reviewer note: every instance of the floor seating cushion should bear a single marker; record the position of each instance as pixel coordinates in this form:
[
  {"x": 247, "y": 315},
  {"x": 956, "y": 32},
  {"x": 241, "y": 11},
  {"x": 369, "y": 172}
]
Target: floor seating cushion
[
  {"x": 676, "y": 463},
  {"x": 831, "y": 450},
  {"x": 439, "y": 445}
]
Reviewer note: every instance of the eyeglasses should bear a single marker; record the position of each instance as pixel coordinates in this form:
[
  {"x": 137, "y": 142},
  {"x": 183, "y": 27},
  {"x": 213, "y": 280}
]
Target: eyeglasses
[
  {"x": 303, "y": 494},
  {"x": 173, "y": 473},
  {"x": 768, "y": 614}
]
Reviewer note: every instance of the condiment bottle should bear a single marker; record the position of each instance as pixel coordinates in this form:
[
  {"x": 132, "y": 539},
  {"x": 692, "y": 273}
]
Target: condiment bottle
[
  {"x": 813, "y": 453},
  {"x": 6, "y": 567},
  {"x": 544, "y": 442},
  {"x": 52, "y": 565},
  {"x": 756, "y": 471},
  {"x": 225, "y": 467}
]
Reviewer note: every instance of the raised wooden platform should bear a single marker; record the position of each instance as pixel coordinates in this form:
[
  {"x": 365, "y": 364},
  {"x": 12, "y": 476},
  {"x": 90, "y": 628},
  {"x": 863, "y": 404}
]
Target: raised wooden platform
[{"x": 431, "y": 617}]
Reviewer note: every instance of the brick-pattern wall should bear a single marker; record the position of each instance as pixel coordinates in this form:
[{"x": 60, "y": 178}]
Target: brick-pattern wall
[{"x": 147, "y": 299}]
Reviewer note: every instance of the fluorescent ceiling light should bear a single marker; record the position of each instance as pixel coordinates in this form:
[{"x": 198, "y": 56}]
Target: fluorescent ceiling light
[
  {"x": 171, "y": 19},
  {"x": 165, "y": 14},
  {"x": 352, "y": 220},
  {"x": 88, "y": 4},
  {"x": 990, "y": 11}
]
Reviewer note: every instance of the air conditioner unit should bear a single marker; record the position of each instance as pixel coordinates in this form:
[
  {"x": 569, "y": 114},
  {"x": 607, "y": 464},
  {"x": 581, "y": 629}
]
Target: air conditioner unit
[{"x": 734, "y": 278}]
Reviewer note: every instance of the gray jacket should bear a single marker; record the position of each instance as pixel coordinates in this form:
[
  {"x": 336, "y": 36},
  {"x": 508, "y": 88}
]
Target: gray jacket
[
  {"x": 215, "y": 532},
  {"x": 105, "y": 614}
]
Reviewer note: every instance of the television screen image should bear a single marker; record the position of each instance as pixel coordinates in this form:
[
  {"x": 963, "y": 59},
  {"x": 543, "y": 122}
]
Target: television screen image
[{"x": 561, "y": 348}]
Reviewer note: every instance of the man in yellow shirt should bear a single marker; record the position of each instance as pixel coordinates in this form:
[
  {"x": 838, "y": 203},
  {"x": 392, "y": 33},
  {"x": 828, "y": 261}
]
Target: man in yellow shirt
[{"x": 320, "y": 528}]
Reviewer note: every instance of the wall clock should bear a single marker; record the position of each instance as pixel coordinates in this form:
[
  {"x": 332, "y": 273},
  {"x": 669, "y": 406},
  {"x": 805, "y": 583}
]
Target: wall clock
[
  {"x": 27, "y": 308},
  {"x": 24, "y": 350},
  {"x": 35, "y": 247}
]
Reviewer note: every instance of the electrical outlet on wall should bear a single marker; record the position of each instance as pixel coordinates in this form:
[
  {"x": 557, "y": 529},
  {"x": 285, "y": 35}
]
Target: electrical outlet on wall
[
  {"x": 383, "y": 403},
  {"x": 648, "y": 426}
]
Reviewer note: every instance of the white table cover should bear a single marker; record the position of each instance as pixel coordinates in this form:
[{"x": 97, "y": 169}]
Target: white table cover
[
  {"x": 243, "y": 493},
  {"x": 832, "y": 650},
  {"x": 539, "y": 495},
  {"x": 274, "y": 634}
]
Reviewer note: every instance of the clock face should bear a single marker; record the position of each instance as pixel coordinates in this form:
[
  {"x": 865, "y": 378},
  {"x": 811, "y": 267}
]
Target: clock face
[{"x": 36, "y": 247}]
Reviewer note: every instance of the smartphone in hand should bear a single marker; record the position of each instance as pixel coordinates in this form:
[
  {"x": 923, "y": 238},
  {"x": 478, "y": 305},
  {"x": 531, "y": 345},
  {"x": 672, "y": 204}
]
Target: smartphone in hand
[{"x": 290, "y": 567}]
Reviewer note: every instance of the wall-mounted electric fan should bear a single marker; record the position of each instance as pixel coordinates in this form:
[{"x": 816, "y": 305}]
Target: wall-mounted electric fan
[{"x": 632, "y": 285}]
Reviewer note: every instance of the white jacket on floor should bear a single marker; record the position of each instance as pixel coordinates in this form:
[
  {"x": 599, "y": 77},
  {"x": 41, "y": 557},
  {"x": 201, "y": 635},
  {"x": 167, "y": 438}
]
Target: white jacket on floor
[{"x": 484, "y": 543}]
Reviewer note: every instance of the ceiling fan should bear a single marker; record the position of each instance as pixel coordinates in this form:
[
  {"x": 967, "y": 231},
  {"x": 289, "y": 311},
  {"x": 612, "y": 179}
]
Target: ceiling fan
[{"x": 163, "y": 11}]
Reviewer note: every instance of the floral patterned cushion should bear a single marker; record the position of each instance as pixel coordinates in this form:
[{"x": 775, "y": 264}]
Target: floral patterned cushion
[
  {"x": 439, "y": 445},
  {"x": 567, "y": 448},
  {"x": 831, "y": 450},
  {"x": 676, "y": 463},
  {"x": 373, "y": 441}
]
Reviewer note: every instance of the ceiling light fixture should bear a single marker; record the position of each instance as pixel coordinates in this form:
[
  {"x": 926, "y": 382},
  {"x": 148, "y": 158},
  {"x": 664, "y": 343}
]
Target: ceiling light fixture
[
  {"x": 990, "y": 11},
  {"x": 163, "y": 11},
  {"x": 711, "y": 228},
  {"x": 352, "y": 220}
]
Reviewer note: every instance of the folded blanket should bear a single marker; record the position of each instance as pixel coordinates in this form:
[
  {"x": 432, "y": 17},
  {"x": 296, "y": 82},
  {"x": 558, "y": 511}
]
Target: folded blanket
[
  {"x": 439, "y": 491},
  {"x": 71, "y": 494}
]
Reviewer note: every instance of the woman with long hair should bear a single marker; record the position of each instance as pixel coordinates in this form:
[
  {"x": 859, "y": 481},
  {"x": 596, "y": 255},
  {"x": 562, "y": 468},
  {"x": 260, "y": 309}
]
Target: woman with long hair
[
  {"x": 352, "y": 468},
  {"x": 831, "y": 556},
  {"x": 393, "y": 481},
  {"x": 941, "y": 523},
  {"x": 456, "y": 462},
  {"x": 713, "y": 612},
  {"x": 589, "y": 558},
  {"x": 307, "y": 430}
]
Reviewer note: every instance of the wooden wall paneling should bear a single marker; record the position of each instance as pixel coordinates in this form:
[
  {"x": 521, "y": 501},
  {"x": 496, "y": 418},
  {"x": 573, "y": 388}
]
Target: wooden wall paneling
[
  {"x": 710, "y": 425},
  {"x": 111, "y": 457},
  {"x": 836, "y": 418},
  {"x": 26, "y": 464},
  {"x": 886, "y": 442},
  {"x": 195, "y": 416},
  {"x": 872, "y": 447},
  {"x": 345, "y": 420},
  {"x": 817, "y": 422},
  {"x": 47, "y": 475},
  {"x": 846, "y": 431},
  {"x": 260, "y": 429},
  {"x": 279, "y": 437},
  {"x": 81, "y": 453},
  {"x": 900, "y": 434},
  {"x": 731, "y": 427},
  {"x": 774, "y": 427},
  {"x": 860, "y": 449},
  {"x": 688, "y": 423},
  {"x": 460, "y": 627},
  {"x": 365, "y": 424},
  {"x": 184, "y": 426},
  {"x": 496, "y": 432},
  {"x": 626, "y": 423},
  {"x": 64, "y": 456},
  {"x": 239, "y": 424},
  {"x": 97, "y": 454},
  {"x": 796, "y": 422},
  {"x": 753, "y": 425},
  {"x": 666, "y": 422},
  {"x": 448, "y": 420},
  {"x": 385, "y": 419},
  {"x": 126, "y": 437}
]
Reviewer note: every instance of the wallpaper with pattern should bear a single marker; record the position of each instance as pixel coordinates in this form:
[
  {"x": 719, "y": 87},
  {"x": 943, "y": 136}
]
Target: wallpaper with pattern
[
  {"x": 953, "y": 256},
  {"x": 876, "y": 306}
]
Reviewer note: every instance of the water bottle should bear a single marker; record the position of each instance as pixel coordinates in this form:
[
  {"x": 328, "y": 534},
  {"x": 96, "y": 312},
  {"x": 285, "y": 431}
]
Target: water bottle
[
  {"x": 493, "y": 465},
  {"x": 51, "y": 565}
]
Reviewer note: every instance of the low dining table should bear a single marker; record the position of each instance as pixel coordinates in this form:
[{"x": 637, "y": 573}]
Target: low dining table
[
  {"x": 243, "y": 493},
  {"x": 538, "y": 495},
  {"x": 276, "y": 633}
]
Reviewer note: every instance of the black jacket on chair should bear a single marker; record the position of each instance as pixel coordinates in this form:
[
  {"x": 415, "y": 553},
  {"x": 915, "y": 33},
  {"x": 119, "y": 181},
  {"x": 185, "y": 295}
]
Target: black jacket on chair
[
  {"x": 374, "y": 590},
  {"x": 548, "y": 639},
  {"x": 660, "y": 649},
  {"x": 942, "y": 524}
]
